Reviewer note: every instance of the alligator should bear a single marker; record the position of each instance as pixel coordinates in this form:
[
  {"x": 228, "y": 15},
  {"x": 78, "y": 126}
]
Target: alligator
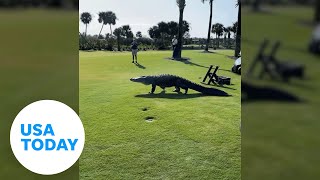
[{"x": 167, "y": 80}]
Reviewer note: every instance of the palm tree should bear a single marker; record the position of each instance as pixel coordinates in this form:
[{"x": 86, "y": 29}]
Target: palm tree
[
  {"x": 229, "y": 30},
  {"x": 173, "y": 28},
  {"x": 108, "y": 36},
  {"x": 317, "y": 13},
  {"x": 102, "y": 19},
  {"x": 210, "y": 24},
  {"x": 213, "y": 30},
  {"x": 154, "y": 32},
  {"x": 164, "y": 31},
  {"x": 118, "y": 33},
  {"x": 111, "y": 19},
  {"x": 127, "y": 31},
  {"x": 238, "y": 37},
  {"x": 255, "y": 5},
  {"x": 186, "y": 27},
  {"x": 139, "y": 34},
  {"x": 226, "y": 32},
  {"x": 234, "y": 28},
  {"x": 218, "y": 30},
  {"x": 177, "y": 51},
  {"x": 86, "y": 19}
]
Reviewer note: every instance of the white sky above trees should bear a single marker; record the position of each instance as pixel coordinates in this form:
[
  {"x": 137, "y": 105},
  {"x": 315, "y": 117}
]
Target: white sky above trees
[{"x": 143, "y": 14}]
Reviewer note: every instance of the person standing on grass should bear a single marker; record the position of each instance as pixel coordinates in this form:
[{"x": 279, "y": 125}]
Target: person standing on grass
[
  {"x": 174, "y": 42},
  {"x": 134, "y": 48}
]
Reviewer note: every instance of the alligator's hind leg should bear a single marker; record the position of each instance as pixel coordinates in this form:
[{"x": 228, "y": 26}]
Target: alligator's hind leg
[
  {"x": 163, "y": 90},
  {"x": 183, "y": 86},
  {"x": 153, "y": 88}
]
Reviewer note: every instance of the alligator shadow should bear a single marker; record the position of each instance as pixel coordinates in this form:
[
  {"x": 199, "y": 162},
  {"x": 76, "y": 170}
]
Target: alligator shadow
[
  {"x": 225, "y": 70},
  {"x": 216, "y": 85},
  {"x": 227, "y": 56},
  {"x": 303, "y": 86},
  {"x": 255, "y": 93},
  {"x": 187, "y": 62},
  {"x": 170, "y": 96},
  {"x": 140, "y": 66},
  {"x": 194, "y": 64},
  {"x": 208, "y": 52}
]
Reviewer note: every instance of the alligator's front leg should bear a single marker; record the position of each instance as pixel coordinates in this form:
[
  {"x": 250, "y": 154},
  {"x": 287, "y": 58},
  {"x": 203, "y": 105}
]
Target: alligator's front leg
[{"x": 153, "y": 88}]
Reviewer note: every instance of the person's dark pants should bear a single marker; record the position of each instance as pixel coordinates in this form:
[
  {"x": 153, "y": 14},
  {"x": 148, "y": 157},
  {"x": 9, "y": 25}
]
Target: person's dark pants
[{"x": 174, "y": 51}]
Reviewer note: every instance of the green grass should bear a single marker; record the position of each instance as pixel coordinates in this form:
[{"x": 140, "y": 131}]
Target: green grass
[
  {"x": 192, "y": 136},
  {"x": 280, "y": 140},
  {"x": 38, "y": 60}
]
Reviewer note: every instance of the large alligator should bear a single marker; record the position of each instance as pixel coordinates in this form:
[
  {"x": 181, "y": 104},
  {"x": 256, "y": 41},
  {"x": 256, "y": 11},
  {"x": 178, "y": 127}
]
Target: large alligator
[{"x": 167, "y": 80}]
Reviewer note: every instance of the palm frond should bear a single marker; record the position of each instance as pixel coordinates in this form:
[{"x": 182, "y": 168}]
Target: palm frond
[{"x": 181, "y": 3}]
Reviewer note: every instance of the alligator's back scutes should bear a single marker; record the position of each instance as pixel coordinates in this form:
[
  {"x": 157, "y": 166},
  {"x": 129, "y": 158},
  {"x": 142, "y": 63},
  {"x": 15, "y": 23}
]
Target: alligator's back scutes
[{"x": 168, "y": 80}]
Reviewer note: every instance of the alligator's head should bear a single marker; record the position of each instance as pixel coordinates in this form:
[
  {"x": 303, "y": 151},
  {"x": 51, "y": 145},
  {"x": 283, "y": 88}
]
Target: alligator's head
[{"x": 146, "y": 80}]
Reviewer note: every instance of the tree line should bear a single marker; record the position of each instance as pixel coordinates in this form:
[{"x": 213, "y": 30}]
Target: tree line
[
  {"x": 74, "y": 4},
  {"x": 161, "y": 34}
]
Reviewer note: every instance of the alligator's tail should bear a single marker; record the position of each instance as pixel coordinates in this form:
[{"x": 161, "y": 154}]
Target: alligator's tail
[{"x": 205, "y": 90}]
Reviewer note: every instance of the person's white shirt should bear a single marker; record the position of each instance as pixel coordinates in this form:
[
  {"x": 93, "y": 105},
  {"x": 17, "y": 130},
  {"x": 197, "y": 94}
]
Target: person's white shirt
[
  {"x": 316, "y": 33},
  {"x": 174, "y": 41}
]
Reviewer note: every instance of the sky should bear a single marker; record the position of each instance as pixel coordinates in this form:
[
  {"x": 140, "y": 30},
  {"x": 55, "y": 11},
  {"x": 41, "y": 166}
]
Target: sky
[{"x": 143, "y": 14}]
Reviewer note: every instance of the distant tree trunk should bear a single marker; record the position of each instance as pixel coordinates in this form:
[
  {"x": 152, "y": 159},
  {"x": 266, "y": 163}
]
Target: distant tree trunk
[
  {"x": 210, "y": 25},
  {"x": 110, "y": 29},
  {"x": 101, "y": 30},
  {"x": 177, "y": 49},
  {"x": 86, "y": 30},
  {"x": 118, "y": 41},
  {"x": 218, "y": 41},
  {"x": 229, "y": 37},
  {"x": 238, "y": 37},
  {"x": 317, "y": 13},
  {"x": 162, "y": 40},
  {"x": 256, "y": 5}
]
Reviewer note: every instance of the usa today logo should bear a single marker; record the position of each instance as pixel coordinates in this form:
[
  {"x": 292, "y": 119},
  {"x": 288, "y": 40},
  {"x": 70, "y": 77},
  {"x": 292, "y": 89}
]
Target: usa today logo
[{"x": 47, "y": 137}]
